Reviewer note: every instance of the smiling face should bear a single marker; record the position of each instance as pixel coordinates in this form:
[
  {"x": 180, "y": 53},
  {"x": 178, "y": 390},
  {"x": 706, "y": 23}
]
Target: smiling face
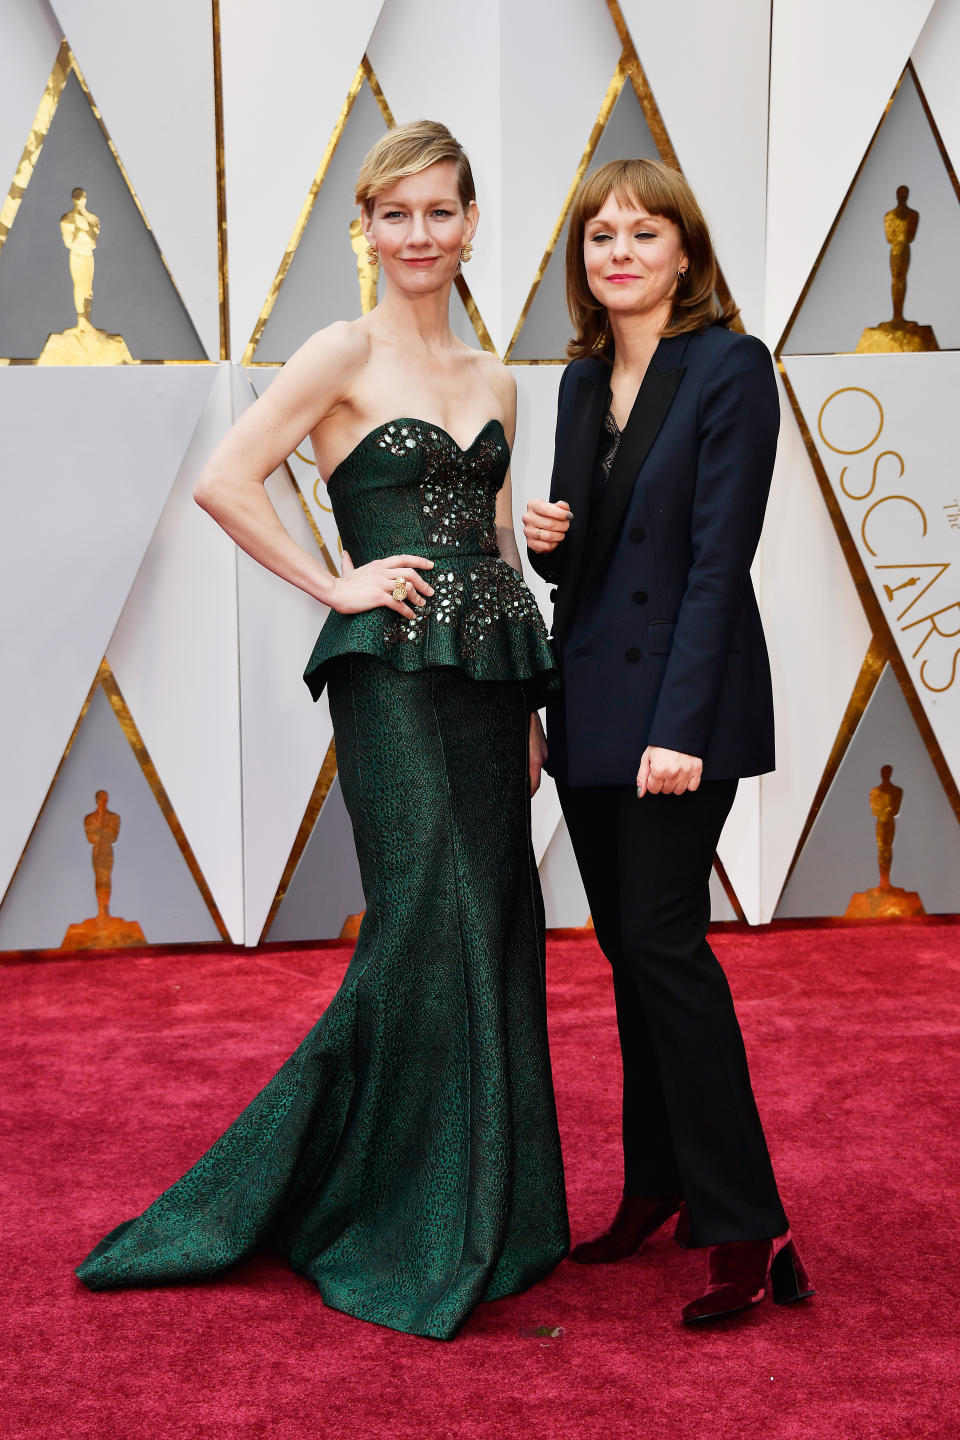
[
  {"x": 631, "y": 258},
  {"x": 418, "y": 225}
]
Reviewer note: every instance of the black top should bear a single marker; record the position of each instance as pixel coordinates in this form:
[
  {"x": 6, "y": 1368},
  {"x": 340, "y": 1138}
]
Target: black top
[{"x": 607, "y": 447}]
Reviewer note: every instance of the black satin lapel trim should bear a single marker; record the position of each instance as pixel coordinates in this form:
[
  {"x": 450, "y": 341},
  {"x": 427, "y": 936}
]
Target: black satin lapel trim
[
  {"x": 573, "y": 483},
  {"x": 575, "y": 470},
  {"x": 650, "y": 408}
]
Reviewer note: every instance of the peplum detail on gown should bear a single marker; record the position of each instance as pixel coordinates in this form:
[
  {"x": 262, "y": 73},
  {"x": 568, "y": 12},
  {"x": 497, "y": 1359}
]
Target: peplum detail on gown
[{"x": 409, "y": 489}]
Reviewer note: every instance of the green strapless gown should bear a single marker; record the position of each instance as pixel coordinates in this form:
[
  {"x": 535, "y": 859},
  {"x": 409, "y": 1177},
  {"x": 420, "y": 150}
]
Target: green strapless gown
[{"x": 406, "y": 1157}]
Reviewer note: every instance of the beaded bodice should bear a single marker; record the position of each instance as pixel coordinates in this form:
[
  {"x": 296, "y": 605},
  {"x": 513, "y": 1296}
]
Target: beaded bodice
[{"x": 409, "y": 488}]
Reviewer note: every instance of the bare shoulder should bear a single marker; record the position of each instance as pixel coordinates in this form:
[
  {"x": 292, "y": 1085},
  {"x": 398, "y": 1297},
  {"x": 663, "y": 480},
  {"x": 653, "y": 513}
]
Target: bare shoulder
[
  {"x": 319, "y": 374},
  {"x": 499, "y": 377},
  {"x": 345, "y": 343}
]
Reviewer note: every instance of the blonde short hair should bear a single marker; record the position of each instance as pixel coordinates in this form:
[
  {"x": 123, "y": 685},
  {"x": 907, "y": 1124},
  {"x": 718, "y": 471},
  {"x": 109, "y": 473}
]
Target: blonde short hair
[
  {"x": 406, "y": 150},
  {"x": 661, "y": 191}
]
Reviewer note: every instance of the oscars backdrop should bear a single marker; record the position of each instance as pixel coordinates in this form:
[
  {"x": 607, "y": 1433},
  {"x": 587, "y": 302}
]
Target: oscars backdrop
[{"x": 177, "y": 217}]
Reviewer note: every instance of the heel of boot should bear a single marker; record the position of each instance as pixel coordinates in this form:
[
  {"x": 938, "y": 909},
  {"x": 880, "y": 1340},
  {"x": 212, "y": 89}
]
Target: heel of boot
[{"x": 788, "y": 1279}]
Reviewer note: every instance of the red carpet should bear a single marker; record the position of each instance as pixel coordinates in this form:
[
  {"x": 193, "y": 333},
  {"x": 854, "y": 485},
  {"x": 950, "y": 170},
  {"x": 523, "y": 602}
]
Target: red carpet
[{"x": 119, "y": 1071}]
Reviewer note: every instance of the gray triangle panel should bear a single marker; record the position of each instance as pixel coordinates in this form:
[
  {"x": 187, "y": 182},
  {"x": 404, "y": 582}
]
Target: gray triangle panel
[
  {"x": 546, "y": 329},
  {"x": 54, "y": 886},
  {"x": 321, "y": 284},
  {"x": 133, "y": 294},
  {"x": 851, "y": 289},
  {"x": 840, "y": 856},
  {"x": 325, "y": 887}
]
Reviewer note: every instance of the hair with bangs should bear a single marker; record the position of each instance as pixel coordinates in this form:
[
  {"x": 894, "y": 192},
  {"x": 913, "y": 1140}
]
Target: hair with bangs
[
  {"x": 660, "y": 191},
  {"x": 406, "y": 150}
]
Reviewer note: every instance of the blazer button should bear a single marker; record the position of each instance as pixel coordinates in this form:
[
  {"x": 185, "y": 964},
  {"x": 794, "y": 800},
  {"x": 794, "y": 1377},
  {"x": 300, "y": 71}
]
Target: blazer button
[
  {"x": 634, "y": 653},
  {"x": 640, "y": 597},
  {"x": 638, "y": 533},
  {"x": 553, "y": 597}
]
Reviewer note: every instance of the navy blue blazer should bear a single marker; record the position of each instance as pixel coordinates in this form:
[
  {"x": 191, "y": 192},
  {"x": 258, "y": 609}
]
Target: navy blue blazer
[{"x": 656, "y": 628}]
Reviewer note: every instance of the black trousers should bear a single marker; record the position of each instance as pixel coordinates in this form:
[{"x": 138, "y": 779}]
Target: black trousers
[{"x": 690, "y": 1122}]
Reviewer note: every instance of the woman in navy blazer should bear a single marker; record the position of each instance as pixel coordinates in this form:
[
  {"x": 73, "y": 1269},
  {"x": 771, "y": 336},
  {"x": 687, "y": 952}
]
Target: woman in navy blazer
[{"x": 666, "y": 436}]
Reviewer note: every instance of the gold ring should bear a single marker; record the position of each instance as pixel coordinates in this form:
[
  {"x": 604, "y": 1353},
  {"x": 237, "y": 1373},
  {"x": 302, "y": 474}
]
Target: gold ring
[
  {"x": 400, "y": 591},
  {"x": 539, "y": 534}
]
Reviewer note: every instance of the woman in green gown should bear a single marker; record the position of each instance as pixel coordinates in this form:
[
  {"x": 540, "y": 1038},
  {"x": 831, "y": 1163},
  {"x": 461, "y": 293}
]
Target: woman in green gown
[{"x": 406, "y": 1157}]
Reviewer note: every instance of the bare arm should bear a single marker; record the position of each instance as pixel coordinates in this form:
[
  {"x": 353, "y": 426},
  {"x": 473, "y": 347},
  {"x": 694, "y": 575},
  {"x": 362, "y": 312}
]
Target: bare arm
[
  {"x": 506, "y": 388},
  {"x": 231, "y": 485},
  {"x": 506, "y": 537},
  {"x": 507, "y": 543}
]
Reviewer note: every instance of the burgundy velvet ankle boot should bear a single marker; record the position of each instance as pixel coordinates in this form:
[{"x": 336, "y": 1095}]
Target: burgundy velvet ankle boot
[
  {"x": 637, "y": 1217},
  {"x": 741, "y": 1272}
]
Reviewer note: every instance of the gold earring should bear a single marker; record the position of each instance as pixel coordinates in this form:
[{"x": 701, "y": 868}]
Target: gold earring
[
  {"x": 465, "y": 252},
  {"x": 373, "y": 255}
]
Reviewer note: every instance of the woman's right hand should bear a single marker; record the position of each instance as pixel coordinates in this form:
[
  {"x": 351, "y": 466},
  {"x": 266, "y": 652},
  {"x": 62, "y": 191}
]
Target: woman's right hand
[
  {"x": 545, "y": 525},
  {"x": 367, "y": 587}
]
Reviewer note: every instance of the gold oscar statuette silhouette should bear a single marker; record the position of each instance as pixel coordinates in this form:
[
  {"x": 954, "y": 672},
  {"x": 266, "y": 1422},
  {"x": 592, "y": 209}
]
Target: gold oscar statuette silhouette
[
  {"x": 885, "y": 901},
  {"x": 102, "y": 931},
  {"x": 898, "y": 335},
  {"x": 83, "y": 343},
  {"x": 366, "y": 272}
]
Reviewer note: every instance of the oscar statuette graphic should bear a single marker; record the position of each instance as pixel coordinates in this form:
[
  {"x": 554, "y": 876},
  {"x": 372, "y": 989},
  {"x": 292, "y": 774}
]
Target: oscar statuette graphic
[
  {"x": 103, "y": 930},
  {"x": 898, "y": 335},
  {"x": 885, "y": 901},
  {"x": 83, "y": 343},
  {"x": 366, "y": 268}
]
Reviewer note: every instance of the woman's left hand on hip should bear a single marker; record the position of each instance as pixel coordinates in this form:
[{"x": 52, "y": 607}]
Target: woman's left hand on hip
[{"x": 667, "y": 772}]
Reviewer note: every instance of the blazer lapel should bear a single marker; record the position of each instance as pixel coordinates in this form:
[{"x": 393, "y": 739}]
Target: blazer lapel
[
  {"x": 573, "y": 478},
  {"x": 650, "y": 408}
]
